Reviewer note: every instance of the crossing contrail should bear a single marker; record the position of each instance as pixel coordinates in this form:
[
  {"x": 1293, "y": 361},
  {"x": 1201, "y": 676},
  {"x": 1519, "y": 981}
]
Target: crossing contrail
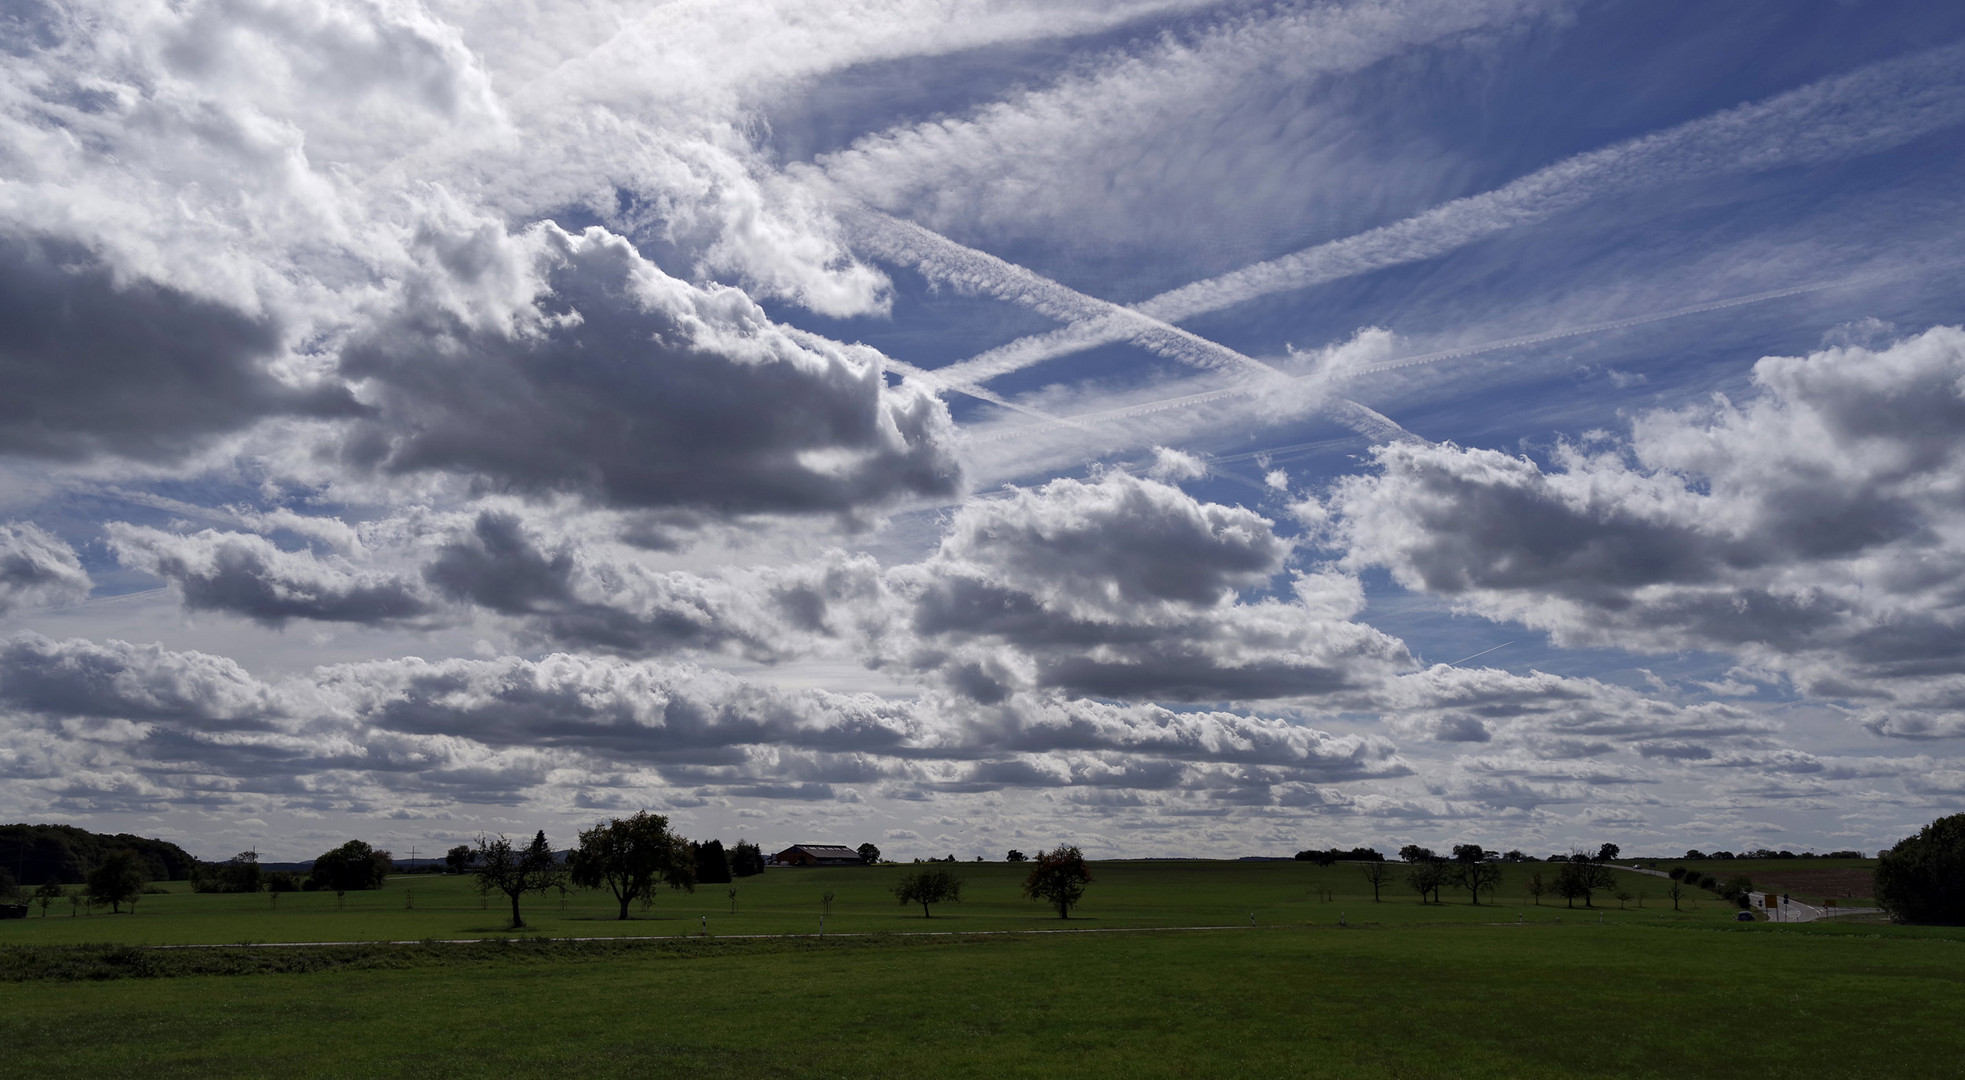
[
  {"x": 1867, "y": 110},
  {"x": 1126, "y": 412},
  {"x": 948, "y": 262}
]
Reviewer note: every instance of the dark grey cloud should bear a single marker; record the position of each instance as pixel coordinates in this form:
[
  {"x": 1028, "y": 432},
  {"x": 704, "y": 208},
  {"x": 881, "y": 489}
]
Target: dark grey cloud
[
  {"x": 100, "y": 363},
  {"x": 617, "y": 382},
  {"x": 1117, "y": 543},
  {"x": 115, "y": 680},
  {"x": 38, "y": 569},
  {"x": 1128, "y": 588},
  {"x": 248, "y": 575},
  {"x": 497, "y": 566},
  {"x": 1814, "y": 530}
]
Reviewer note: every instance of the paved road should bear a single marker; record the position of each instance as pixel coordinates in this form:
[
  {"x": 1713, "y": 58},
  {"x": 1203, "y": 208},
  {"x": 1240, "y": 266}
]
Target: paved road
[{"x": 1786, "y": 910}]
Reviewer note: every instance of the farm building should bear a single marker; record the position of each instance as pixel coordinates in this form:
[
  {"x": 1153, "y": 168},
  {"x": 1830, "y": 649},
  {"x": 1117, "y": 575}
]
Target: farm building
[{"x": 818, "y": 855}]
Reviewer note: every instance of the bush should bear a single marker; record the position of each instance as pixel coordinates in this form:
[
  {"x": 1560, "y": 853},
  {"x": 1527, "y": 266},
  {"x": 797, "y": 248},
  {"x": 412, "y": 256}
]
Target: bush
[
  {"x": 1709, "y": 883},
  {"x": 1676, "y": 873},
  {"x": 1922, "y": 878}
]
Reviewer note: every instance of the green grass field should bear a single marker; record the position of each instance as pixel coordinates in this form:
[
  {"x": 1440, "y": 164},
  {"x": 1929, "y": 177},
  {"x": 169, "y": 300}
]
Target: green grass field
[
  {"x": 1405, "y": 990},
  {"x": 788, "y": 901}
]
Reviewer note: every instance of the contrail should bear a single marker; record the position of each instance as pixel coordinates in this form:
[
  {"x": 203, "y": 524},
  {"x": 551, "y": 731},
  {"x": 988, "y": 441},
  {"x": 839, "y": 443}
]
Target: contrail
[
  {"x": 1480, "y": 654},
  {"x": 1615, "y": 324},
  {"x": 1870, "y": 109},
  {"x": 946, "y": 261},
  {"x": 978, "y": 272},
  {"x": 1203, "y": 397}
]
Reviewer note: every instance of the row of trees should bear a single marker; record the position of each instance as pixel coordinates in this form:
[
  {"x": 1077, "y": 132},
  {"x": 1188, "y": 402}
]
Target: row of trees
[
  {"x": 1058, "y": 878},
  {"x": 632, "y": 858},
  {"x": 1478, "y": 870}
]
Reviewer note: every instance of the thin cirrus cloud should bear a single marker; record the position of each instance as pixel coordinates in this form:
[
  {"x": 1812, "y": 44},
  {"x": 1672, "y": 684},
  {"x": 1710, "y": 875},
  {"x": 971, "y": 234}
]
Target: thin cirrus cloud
[{"x": 1876, "y": 108}]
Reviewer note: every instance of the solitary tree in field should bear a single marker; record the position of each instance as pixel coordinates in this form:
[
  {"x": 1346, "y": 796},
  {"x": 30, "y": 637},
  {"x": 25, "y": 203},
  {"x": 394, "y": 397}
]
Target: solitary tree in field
[
  {"x": 1474, "y": 869},
  {"x": 118, "y": 881},
  {"x": 517, "y": 871},
  {"x": 869, "y": 853},
  {"x": 926, "y": 887},
  {"x": 1425, "y": 871},
  {"x": 1059, "y": 878},
  {"x": 1378, "y": 873},
  {"x": 459, "y": 859},
  {"x": 1536, "y": 888},
  {"x": 1582, "y": 876},
  {"x": 1016, "y": 856},
  {"x": 49, "y": 892},
  {"x": 353, "y": 865},
  {"x": 1608, "y": 852},
  {"x": 1676, "y": 890},
  {"x": 632, "y": 858}
]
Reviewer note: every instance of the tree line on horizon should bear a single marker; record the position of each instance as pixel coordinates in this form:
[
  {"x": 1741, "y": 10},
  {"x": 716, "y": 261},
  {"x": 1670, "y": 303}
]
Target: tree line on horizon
[{"x": 1920, "y": 879}]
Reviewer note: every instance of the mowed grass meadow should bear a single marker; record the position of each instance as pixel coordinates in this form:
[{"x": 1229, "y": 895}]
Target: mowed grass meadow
[{"x": 1509, "y": 989}]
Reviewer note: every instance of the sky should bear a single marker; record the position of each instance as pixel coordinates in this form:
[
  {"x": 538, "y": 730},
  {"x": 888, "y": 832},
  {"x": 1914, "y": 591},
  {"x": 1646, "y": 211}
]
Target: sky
[{"x": 1171, "y": 427}]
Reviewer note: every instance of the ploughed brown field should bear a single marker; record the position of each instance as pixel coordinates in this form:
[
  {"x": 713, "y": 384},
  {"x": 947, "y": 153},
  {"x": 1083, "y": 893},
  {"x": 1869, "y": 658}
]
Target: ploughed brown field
[{"x": 1814, "y": 886}]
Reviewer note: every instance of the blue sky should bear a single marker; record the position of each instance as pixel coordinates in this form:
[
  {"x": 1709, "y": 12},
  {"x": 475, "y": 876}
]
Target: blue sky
[{"x": 1159, "y": 425}]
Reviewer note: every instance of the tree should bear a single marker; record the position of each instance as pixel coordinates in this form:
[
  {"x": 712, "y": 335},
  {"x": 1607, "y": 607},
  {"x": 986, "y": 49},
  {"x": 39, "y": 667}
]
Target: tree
[
  {"x": 352, "y": 866},
  {"x": 9, "y": 888},
  {"x": 1378, "y": 873},
  {"x": 48, "y": 893},
  {"x": 1474, "y": 870},
  {"x": 1425, "y": 877},
  {"x": 926, "y": 887},
  {"x": 746, "y": 859},
  {"x": 712, "y": 865},
  {"x": 869, "y": 853},
  {"x": 116, "y": 882},
  {"x": 1607, "y": 852},
  {"x": 517, "y": 871},
  {"x": 1582, "y": 876},
  {"x": 1016, "y": 856},
  {"x": 1676, "y": 890},
  {"x": 1058, "y": 878},
  {"x": 460, "y": 858},
  {"x": 1922, "y": 878},
  {"x": 631, "y": 858},
  {"x": 1536, "y": 888}
]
